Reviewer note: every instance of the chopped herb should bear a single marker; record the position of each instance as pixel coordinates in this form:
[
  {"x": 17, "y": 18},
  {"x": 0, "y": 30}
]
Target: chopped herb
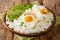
[
  {"x": 39, "y": 26},
  {"x": 21, "y": 24},
  {"x": 35, "y": 16},
  {"x": 34, "y": 27},
  {"x": 44, "y": 29},
  {"x": 25, "y": 26},
  {"x": 47, "y": 21},
  {"x": 50, "y": 19},
  {"x": 43, "y": 17}
]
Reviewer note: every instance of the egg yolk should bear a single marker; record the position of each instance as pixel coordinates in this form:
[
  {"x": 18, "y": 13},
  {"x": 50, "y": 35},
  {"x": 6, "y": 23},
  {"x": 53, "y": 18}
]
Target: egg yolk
[
  {"x": 43, "y": 11},
  {"x": 28, "y": 19}
]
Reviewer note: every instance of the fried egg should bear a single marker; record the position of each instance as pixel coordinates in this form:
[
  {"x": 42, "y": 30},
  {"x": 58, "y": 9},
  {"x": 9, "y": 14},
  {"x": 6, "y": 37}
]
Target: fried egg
[
  {"x": 41, "y": 12},
  {"x": 29, "y": 19}
]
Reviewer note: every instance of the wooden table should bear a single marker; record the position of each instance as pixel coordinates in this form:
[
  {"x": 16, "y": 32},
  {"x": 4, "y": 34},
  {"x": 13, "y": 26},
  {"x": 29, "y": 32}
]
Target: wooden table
[{"x": 5, "y": 34}]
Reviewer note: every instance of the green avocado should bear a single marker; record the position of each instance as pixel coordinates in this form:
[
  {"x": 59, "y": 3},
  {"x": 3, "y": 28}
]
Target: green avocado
[{"x": 16, "y": 11}]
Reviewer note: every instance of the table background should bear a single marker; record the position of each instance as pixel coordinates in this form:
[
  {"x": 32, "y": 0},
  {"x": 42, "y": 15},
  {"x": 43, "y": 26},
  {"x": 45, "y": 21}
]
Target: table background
[{"x": 5, "y": 34}]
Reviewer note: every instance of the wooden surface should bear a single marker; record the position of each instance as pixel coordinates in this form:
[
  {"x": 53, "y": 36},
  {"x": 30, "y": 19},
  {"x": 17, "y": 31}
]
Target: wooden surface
[
  {"x": 53, "y": 5},
  {"x": 5, "y": 34}
]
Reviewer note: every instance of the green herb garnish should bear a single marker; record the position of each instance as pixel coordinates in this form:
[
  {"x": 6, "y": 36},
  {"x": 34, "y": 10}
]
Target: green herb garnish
[
  {"x": 35, "y": 16},
  {"x": 16, "y": 11},
  {"x": 21, "y": 24},
  {"x": 25, "y": 26},
  {"x": 43, "y": 17},
  {"x": 47, "y": 21}
]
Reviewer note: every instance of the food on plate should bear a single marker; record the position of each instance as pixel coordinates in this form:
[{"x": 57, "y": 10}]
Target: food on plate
[{"x": 29, "y": 18}]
